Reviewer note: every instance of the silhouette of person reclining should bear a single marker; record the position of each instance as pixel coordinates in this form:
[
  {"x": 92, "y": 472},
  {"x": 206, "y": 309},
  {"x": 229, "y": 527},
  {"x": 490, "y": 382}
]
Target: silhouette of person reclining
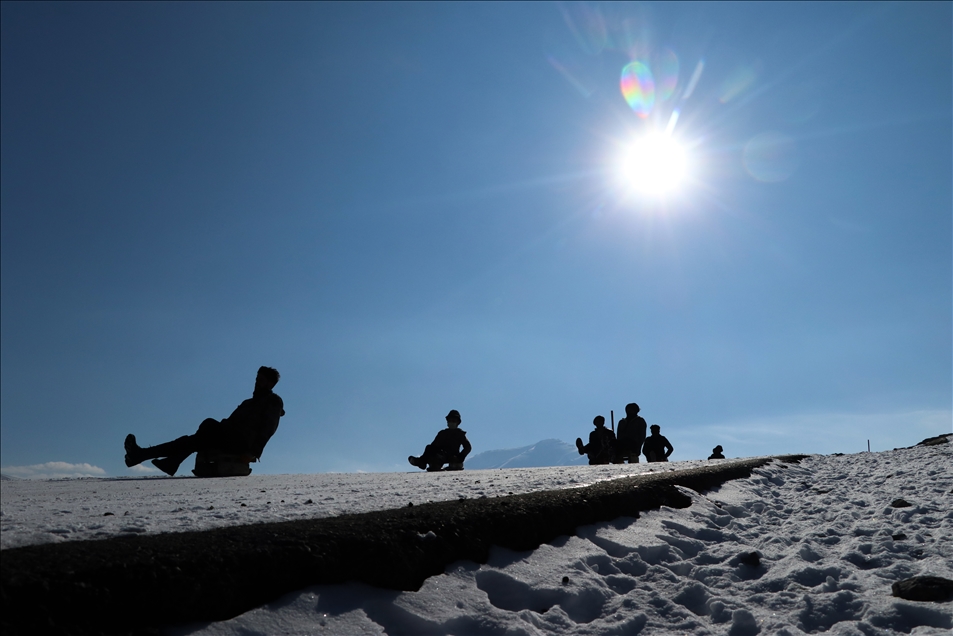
[
  {"x": 233, "y": 442},
  {"x": 716, "y": 453},
  {"x": 445, "y": 447},
  {"x": 631, "y": 435},
  {"x": 601, "y": 446},
  {"x": 656, "y": 447}
]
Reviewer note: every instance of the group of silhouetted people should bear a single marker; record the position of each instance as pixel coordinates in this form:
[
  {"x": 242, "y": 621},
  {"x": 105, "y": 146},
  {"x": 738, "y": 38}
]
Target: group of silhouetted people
[
  {"x": 227, "y": 447},
  {"x": 605, "y": 447}
]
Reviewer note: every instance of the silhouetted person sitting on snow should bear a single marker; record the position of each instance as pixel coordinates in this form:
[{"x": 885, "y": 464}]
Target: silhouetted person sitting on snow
[
  {"x": 631, "y": 435},
  {"x": 656, "y": 447},
  {"x": 238, "y": 439},
  {"x": 601, "y": 446},
  {"x": 717, "y": 453},
  {"x": 445, "y": 447}
]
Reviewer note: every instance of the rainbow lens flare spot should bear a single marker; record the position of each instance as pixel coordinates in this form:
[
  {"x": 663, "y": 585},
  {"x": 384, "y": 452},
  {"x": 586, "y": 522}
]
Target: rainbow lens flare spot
[{"x": 638, "y": 88}]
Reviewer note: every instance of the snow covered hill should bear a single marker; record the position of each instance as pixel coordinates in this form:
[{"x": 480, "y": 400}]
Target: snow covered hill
[
  {"x": 812, "y": 547},
  {"x": 795, "y": 549}
]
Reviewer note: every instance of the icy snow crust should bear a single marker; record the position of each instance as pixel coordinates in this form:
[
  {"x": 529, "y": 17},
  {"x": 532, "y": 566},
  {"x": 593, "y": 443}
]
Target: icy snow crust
[
  {"x": 48, "y": 511},
  {"x": 823, "y": 529}
]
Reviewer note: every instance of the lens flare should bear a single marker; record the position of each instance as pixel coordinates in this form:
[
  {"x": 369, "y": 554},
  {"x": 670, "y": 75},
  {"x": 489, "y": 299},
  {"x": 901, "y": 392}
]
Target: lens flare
[
  {"x": 654, "y": 165},
  {"x": 739, "y": 81},
  {"x": 638, "y": 88},
  {"x": 771, "y": 157},
  {"x": 666, "y": 73}
]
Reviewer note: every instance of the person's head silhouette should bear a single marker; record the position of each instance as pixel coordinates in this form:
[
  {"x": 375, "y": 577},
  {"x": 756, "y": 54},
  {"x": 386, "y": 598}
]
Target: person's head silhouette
[
  {"x": 631, "y": 410},
  {"x": 267, "y": 378},
  {"x": 453, "y": 418},
  {"x": 599, "y": 421}
]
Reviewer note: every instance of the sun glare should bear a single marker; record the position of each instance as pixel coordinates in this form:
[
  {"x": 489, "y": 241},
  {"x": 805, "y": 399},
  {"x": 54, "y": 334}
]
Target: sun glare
[{"x": 654, "y": 165}]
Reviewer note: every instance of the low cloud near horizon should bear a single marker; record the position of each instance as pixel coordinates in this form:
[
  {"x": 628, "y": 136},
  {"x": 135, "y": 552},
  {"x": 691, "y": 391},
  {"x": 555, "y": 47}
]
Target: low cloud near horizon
[
  {"x": 144, "y": 470},
  {"x": 53, "y": 470}
]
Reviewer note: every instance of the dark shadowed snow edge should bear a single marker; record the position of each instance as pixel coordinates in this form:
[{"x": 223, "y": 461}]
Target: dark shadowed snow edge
[{"x": 134, "y": 585}]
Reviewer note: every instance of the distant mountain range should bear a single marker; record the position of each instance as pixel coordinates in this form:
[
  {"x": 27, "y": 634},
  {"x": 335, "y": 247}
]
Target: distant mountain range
[{"x": 549, "y": 452}]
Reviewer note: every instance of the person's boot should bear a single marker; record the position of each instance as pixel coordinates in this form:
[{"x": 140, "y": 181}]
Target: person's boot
[
  {"x": 415, "y": 462},
  {"x": 134, "y": 454},
  {"x": 168, "y": 465},
  {"x": 580, "y": 447}
]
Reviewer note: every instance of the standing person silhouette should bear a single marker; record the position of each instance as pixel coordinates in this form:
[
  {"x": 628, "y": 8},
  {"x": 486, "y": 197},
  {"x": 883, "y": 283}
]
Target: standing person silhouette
[
  {"x": 601, "y": 446},
  {"x": 445, "y": 447},
  {"x": 631, "y": 435},
  {"x": 657, "y": 448},
  {"x": 245, "y": 432},
  {"x": 717, "y": 453}
]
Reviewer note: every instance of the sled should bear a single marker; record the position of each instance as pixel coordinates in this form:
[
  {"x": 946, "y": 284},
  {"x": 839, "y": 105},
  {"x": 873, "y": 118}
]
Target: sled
[{"x": 213, "y": 464}]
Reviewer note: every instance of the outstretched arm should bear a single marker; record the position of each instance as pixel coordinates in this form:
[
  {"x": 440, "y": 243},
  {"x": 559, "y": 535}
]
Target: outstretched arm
[
  {"x": 466, "y": 448},
  {"x": 668, "y": 447}
]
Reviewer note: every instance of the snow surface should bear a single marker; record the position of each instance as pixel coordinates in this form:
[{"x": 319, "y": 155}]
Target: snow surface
[
  {"x": 823, "y": 528},
  {"x": 45, "y": 511}
]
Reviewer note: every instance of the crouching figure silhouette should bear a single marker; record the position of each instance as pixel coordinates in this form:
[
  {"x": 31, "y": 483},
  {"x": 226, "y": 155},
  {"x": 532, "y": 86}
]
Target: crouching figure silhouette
[
  {"x": 223, "y": 449},
  {"x": 445, "y": 447}
]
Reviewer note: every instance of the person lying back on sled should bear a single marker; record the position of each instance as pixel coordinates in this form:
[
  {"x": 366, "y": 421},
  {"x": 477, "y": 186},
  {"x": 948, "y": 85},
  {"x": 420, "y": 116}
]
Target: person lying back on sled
[
  {"x": 445, "y": 447},
  {"x": 244, "y": 433},
  {"x": 601, "y": 446}
]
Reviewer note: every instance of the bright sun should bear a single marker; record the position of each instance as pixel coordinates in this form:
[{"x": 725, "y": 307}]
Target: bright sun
[{"x": 654, "y": 165}]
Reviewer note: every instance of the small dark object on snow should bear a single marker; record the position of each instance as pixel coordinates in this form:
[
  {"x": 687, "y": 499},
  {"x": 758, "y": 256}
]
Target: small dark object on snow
[
  {"x": 751, "y": 559},
  {"x": 901, "y": 503},
  {"x": 565, "y": 580},
  {"x": 109, "y": 514},
  {"x": 244, "y": 505},
  {"x": 898, "y": 537},
  {"x": 211, "y": 507},
  {"x": 842, "y": 454},
  {"x": 924, "y": 588},
  {"x": 410, "y": 504}
]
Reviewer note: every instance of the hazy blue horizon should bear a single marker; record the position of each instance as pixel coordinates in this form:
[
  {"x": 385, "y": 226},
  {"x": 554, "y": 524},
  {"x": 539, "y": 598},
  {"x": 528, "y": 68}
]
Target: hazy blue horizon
[{"x": 408, "y": 208}]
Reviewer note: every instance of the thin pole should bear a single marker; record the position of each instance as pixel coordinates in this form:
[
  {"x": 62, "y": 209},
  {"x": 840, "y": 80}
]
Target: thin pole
[
  {"x": 612, "y": 419},
  {"x": 868, "y": 445}
]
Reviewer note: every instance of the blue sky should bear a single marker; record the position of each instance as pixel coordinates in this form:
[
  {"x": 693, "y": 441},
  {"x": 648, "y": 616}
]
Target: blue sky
[{"x": 408, "y": 208}]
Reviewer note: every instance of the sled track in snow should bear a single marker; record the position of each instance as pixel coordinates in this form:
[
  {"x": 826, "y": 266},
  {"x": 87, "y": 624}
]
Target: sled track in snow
[{"x": 135, "y": 585}]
